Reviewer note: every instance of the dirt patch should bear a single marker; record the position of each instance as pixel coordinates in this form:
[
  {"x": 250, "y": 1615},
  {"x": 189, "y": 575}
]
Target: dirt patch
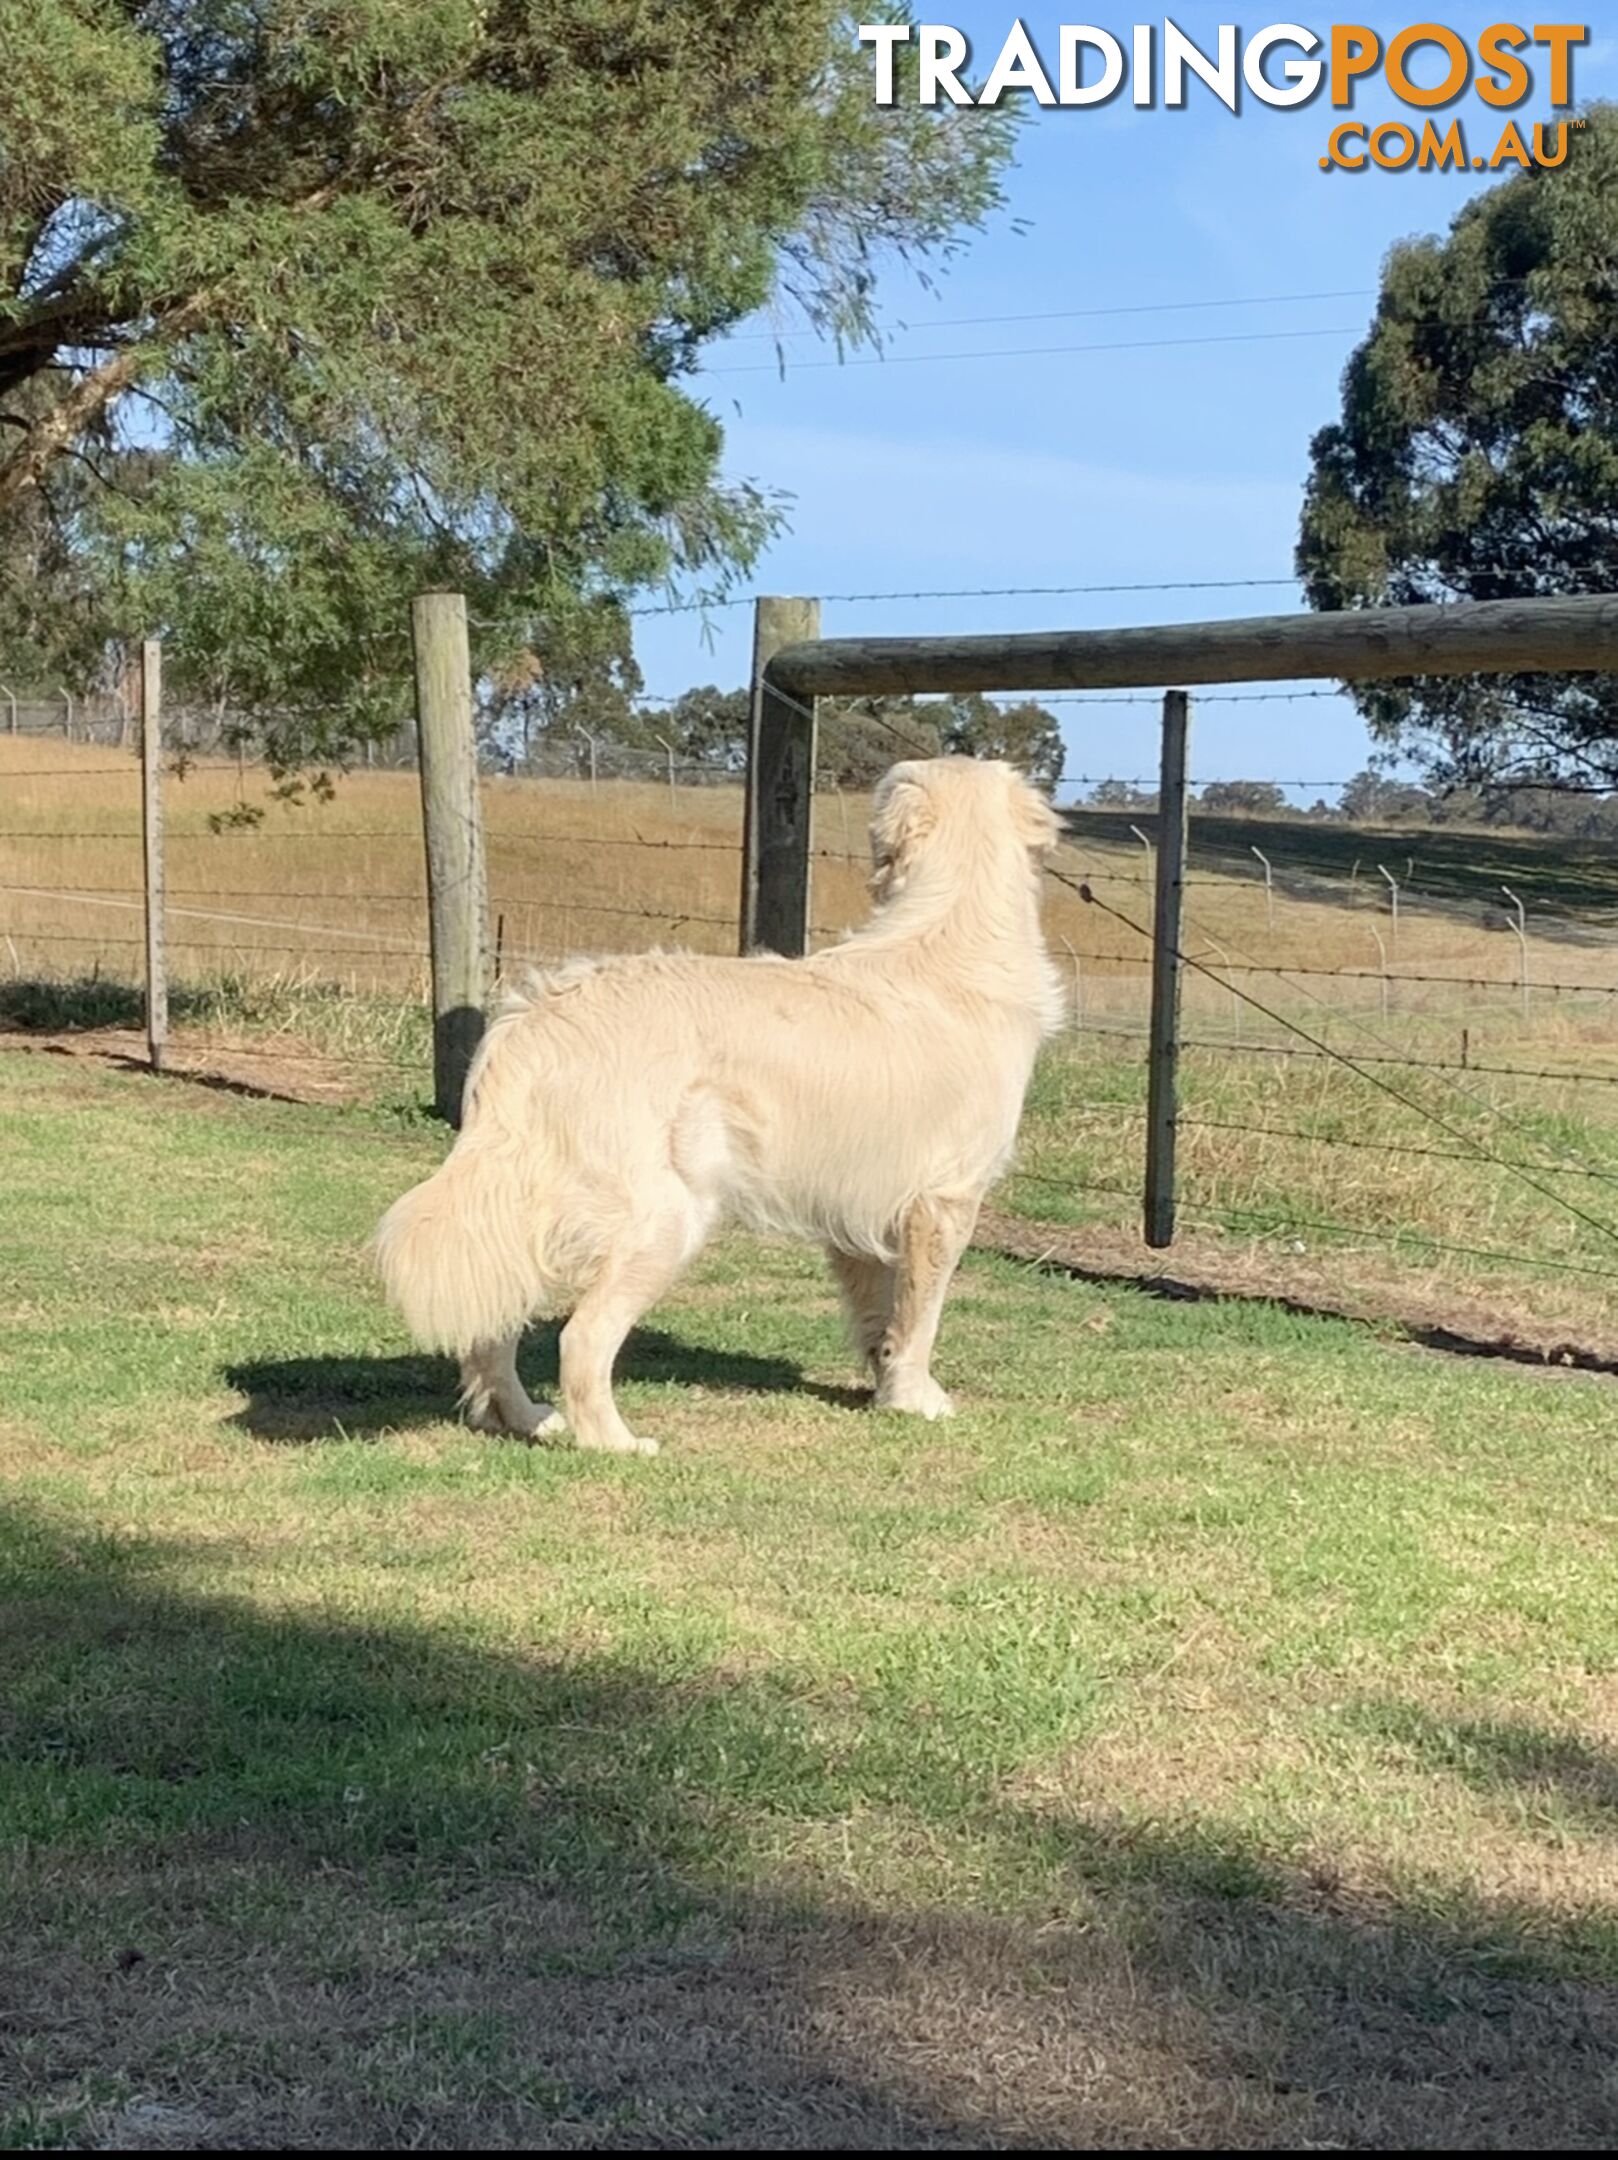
[
  {"x": 1200, "y": 1269},
  {"x": 288, "y": 1071}
]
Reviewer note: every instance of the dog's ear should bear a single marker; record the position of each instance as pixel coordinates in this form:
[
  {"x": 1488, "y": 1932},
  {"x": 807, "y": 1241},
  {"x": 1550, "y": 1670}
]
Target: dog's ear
[
  {"x": 902, "y": 815},
  {"x": 1037, "y": 824}
]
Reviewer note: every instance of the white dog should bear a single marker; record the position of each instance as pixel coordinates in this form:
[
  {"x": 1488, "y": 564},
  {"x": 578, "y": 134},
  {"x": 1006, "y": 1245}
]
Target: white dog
[{"x": 865, "y": 1098}]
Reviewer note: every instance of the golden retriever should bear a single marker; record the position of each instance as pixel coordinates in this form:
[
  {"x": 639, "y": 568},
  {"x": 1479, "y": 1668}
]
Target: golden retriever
[{"x": 865, "y": 1098}]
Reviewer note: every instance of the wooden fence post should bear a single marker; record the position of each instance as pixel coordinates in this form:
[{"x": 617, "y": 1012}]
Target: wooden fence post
[
  {"x": 457, "y": 887},
  {"x": 151, "y": 761},
  {"x": 1162, "y": 1099},
  {"x": 780, "y": 789}
]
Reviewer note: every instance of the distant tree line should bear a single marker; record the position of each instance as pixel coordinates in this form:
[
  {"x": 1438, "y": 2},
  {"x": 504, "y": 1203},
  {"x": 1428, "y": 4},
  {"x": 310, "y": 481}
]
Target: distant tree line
[
  {"x": 531, "y": 720},
  {"x": 1373, "y": 798}
]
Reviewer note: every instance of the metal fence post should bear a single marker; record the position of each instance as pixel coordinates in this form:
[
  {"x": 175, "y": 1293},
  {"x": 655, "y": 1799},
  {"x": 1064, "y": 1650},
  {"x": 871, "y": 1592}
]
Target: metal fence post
[
  {"x": 1162, "y": 1100},
  {"x": 1382, "y": 957},
  {"x": 457, "y": 887},
  {"x": 1393, "y": 898},
  {"x": 780, "y": 789},
  {"x": 1269, "y": 886},
  {"x": 1521, "y": 928},
  {"x": 151, "y": 761}
]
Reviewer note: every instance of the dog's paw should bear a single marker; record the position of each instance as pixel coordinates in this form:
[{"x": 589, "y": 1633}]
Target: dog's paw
[
  {"x": 538, "y": 1421},
  {"x": 916, "y": 1398},
  {"x": 622, "y": 1443}
]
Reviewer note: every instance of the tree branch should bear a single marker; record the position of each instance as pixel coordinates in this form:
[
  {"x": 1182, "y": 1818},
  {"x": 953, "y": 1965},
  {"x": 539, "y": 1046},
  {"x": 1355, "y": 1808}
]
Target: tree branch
[{"x": 49, "y": 436}]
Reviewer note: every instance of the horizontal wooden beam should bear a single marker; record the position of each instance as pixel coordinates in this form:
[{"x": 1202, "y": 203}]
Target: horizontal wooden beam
[{"x": 1468, "y": 637}]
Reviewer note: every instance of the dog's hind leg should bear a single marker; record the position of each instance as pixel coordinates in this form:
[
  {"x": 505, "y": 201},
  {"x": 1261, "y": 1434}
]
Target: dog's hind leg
[
  {"x": 868, "y": 1290},
  {"x": 496, "y": 1400},
  {"x": 633, "y": 1278},
  {"x": 932, "y": 1238}
]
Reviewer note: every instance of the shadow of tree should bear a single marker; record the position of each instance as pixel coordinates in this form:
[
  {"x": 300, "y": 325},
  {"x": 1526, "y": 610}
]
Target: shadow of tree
[
  {"x": 96, "y": 1002},
  {"x": 1506, "y": 1757},
  {"x": 333, "y": 1398},
  {"x": 1574, "y": 883},
  {"x": 280, "y": 1879}
]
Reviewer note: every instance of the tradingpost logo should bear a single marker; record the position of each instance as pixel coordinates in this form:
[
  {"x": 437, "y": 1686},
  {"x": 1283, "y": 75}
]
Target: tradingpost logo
[{"x": 1427, "y": 67}]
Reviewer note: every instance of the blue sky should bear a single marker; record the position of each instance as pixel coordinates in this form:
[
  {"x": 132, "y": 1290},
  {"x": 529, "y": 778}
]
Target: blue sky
[{"x": 1037, "y": 467}]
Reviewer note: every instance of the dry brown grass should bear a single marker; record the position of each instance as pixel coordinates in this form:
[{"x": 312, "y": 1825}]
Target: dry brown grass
[
  {"x": 302, "y": 938},
  {"x": 334, "y": 892}
]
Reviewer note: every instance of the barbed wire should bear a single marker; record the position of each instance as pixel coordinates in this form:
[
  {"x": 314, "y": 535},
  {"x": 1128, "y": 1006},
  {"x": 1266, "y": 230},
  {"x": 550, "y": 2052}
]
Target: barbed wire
[
  {"x": 594, "y": 840},
  {"x": 246, "y": 836},
  {"x": 1547, "y": 1076},
  {"x": 227, "y": 946},
  {"x": 1394, "y": 976},
  {"x": 980, "y": 592},
  {"x": 1095, "y": 1111},
  {"x": 1363, "y": 1234},
  {"x": 1372, "y": 1079},
  {"x": 1150, "y": 307},
  {"x": 249, "y": 922},
  {"x": 1150, "y": 781},
  {"x": 1197, "y": 697},
  {"x": 1042, "y": 352},
  {"x": 68, "y": 937},
  {"x": 674, "y": 915}
]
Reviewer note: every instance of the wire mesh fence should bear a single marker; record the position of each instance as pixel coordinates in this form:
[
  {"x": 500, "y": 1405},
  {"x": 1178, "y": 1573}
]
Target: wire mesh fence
[
  {"x": 1396, "y": 1041},
  {"x": 334, "y": 891}
]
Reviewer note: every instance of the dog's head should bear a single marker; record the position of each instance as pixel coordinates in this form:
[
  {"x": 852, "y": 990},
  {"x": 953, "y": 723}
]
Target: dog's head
[
  {"x": 903, "y": 819},
  {"x": 915, "y": 799}
]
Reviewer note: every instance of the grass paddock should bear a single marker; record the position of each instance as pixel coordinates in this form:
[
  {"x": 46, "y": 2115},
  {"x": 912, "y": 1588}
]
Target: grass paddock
[{"x": 1211, "y": 1737}]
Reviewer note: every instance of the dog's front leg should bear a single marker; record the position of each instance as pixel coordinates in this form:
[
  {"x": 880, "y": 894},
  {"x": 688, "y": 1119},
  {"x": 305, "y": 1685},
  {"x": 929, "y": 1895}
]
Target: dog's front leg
[{"x": 932, "y": 1238}]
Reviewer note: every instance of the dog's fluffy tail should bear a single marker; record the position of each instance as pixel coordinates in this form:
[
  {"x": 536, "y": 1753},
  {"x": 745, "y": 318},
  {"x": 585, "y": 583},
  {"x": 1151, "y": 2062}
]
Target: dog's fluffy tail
[{"x": 457, "y": 1256}]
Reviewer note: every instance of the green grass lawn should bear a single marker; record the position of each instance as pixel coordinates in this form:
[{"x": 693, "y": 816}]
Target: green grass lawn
[{"x": 1209, "y": 1738}]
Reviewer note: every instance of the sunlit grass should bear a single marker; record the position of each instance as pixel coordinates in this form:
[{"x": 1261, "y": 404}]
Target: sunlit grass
[{"x": 1211, "y": 1722}]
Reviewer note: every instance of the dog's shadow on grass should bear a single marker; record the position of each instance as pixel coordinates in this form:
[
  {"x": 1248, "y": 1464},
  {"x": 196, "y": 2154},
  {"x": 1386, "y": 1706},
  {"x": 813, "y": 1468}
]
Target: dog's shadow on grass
[{"x": 295, "y": 1400}]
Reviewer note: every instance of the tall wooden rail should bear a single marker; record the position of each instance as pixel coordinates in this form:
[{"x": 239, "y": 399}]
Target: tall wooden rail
[{"x": 1470, "y": 637}]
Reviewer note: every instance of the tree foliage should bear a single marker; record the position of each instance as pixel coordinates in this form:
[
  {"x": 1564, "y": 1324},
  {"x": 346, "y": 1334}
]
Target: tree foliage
[
  {"x": 1477, "y": 457},
  {"x": 858, "y": 739},
  {"x": 305, "y": 307},
  {"x": 711, "y": 726},
  {"x": 1025, "y": 735},
  {"x": 1244, "y": 798}
]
